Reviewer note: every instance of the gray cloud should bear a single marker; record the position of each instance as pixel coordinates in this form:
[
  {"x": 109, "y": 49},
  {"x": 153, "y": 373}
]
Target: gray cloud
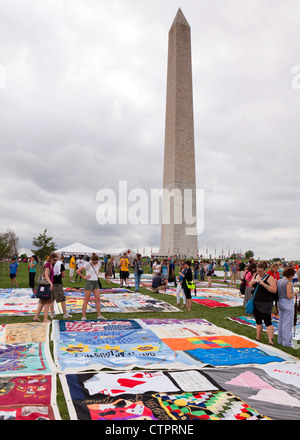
[{"x": 84, "y": 105}]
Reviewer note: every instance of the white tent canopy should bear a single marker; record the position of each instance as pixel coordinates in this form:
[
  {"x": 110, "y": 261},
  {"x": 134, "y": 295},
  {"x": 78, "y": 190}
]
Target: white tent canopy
[{"x": 78, "y": 249}]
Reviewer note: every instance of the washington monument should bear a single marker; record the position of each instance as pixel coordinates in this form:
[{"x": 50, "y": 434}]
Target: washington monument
[{"x": 179, "y": 153}]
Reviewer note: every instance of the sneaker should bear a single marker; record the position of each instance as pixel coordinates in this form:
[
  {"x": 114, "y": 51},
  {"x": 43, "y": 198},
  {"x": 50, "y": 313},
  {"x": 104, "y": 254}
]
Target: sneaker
[
  {"x": 83, "y": 318},
  {"x": 66, "y": 316},
  {"x": 101, "y": 317}
]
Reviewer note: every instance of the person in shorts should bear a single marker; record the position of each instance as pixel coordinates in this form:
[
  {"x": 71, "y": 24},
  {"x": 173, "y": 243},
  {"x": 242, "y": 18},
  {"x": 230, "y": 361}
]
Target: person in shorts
[
  {"x": 72, "y": 268},
  {"x": 58, "y": 293},
  {"x": 13, "y": 270},
  {"x": 92, "y": 269},
  {"x": 124, "y": 271},
  {"x": 233, "y": 273},
  {"x": 48, "y": 274},
  {"x": 79, "y": 263}
]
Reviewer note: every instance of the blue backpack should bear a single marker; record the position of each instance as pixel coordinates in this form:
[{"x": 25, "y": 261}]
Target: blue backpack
[{"x": 250, "y": 303}]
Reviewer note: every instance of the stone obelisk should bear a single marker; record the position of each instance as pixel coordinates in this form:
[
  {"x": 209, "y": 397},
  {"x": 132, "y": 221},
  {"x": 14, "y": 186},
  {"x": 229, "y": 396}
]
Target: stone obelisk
[{"x": 179, "y": 153}]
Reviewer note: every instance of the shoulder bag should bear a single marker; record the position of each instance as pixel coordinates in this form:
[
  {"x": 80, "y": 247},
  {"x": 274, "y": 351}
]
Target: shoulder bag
[
  {"x": 250, "y": 303},
  {"x": 99, "y": 282},
  {"x": 44, "y": 289}
]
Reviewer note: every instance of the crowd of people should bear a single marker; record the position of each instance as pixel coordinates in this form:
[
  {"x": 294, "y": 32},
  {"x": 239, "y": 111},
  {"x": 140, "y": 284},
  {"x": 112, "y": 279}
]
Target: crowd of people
[
  {"x": 164, "y": 273},
  {"x": 266, "y": 284},
  {"x": 269, "y": 286}
]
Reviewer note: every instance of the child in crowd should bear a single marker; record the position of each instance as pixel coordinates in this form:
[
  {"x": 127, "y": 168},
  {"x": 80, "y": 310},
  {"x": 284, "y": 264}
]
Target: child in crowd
[{"x": 13, "y": 270}]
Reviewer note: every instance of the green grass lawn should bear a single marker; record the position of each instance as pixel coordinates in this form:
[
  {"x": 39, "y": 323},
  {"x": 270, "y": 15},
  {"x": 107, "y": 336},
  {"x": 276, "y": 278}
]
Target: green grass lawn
[{"x": 216, "y": 316}]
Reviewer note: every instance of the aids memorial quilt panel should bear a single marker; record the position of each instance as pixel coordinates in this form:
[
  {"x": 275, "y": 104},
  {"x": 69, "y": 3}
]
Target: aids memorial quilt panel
[
  {"x": 116, "y": 344},
  {"x": 134, "y": 302},
  {"x": 176, "y": 328},
  {"x": 18, "y": 333},
  {"x": 150, "y": 344},
  {"x": 213, "y": 297},
  {"x": 272, "y": 389},
  {"x": 19, "y": 302},
  {"x": 250, "y": 321},
  {"x": 118, "y": 301},
  {"x": 28, "y": 398},
  {"x": 235, "y": 356},
  {"x": 211, "y": 345},
  {"x": 26, "y": 358},
  {"x": 153, "y": 395},
  {"x": 24, "y": 349}
]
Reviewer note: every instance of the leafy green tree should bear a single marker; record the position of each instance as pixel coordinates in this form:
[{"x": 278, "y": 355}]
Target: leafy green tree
[
  {"x": 4, "y": 247},
  {"x": 12, "y": 241},
  {"x": 9, "y": 244},
  {"x": 44, "y": 245},
  {"x": 249, "y": 254}
]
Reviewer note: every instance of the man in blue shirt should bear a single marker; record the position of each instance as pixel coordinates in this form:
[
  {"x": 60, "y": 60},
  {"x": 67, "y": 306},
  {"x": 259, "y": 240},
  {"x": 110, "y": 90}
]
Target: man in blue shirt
[
  {"x": 13, "y": 270},
  {"x": 226, "y": 270}
]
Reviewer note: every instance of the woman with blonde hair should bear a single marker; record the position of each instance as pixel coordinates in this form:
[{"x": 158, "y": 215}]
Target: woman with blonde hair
[
  {"x": 273, "y": 271},
  {"x": 92, "y": 284}
]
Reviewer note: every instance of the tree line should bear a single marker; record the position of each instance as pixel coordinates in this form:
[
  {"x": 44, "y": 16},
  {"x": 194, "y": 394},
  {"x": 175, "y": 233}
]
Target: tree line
[{"x": 9, "y": 246}]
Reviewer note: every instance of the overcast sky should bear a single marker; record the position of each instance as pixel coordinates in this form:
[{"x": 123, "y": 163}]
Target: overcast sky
[{"x": 82, "y": 107}]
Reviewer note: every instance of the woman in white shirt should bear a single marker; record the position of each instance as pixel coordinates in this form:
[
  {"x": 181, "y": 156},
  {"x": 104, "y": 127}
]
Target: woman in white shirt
[
  {"x": 92, "y": 269},
  {"x": 156, "y": 268}
]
